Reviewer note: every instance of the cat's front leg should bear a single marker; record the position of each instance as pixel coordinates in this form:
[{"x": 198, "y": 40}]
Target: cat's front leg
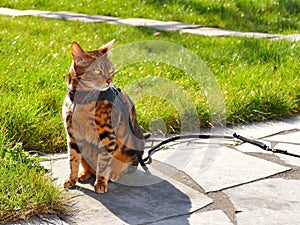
[
  {"x": 119, "y": 165},
  {"x": 102, "y": 172},
  {"x": 74, "y": 160},
  {"x": 85, "y": 170}
]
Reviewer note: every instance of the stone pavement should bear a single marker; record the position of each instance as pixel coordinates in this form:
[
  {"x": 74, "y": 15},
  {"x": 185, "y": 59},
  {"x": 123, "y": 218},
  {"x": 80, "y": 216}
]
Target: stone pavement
[
  {"x": 199, "y": 182},
  {"x": 154, "y": 24}
]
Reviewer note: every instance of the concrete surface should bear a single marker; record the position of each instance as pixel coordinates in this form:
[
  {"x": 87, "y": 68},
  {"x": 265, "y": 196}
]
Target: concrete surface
[
  {"x": 229, "y": 168},
  {"x": 216, "y": 217},
  {"x": 124, "y": 204},
  {"x": 271, "y": 201},
  {"x": 235, "y": 187}
]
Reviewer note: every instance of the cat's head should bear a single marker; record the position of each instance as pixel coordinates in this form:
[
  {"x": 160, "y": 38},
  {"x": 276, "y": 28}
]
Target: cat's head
[{"x": 90, "y": 70}]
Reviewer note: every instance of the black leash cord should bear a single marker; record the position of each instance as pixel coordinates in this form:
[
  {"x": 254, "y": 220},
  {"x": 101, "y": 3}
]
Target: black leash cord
[
  {"x": 157, "y": 147},
  {"x": 257, "y": 143},
  {"x": 264, "y": 146}
]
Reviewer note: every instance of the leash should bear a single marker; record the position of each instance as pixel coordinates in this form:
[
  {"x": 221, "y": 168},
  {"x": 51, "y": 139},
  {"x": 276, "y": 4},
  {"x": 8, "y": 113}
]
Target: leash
[
  {"x": 158, "y": 147},
  {"x": 264, "y": 146}
]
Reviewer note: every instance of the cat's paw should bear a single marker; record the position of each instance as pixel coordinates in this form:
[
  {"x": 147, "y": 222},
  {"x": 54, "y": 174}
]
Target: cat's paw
[
  {"x": 101, "y": 187},
  {"x": 83, "y": 176},
  {"x": 114, "y": 177},
  {"x": 69, "y": 183}
]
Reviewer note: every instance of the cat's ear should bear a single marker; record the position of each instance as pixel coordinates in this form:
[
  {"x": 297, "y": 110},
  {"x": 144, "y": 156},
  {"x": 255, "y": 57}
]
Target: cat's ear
[
  {"x": 105, "y": 48},
  {"x": 80, "y": 57}
]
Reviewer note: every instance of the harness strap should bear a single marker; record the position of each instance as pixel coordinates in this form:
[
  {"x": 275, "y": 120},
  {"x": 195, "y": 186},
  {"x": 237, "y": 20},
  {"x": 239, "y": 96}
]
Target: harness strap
[
  {"x": 138, "y": 152},
  {"x": 86, "y": 97},
  {"x": 113, "y": 95},
  {"x": 136, "y": 147}
]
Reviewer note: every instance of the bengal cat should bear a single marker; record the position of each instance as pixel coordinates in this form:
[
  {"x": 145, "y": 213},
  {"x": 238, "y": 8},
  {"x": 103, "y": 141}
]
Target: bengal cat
[{"x": 103, "y": 135}]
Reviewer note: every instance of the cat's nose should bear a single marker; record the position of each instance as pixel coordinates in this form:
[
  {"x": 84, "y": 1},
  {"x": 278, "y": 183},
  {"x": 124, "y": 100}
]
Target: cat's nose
[
  {"x": 111, "y": 77},
  {"x": 109, "y": 81}
]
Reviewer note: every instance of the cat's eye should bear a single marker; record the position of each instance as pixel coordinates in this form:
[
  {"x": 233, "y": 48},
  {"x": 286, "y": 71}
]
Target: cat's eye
[{"x": 97, "y": 72}]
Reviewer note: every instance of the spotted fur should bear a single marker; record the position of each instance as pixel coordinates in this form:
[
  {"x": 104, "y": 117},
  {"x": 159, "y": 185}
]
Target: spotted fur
[{"x": 102, "y": 138}]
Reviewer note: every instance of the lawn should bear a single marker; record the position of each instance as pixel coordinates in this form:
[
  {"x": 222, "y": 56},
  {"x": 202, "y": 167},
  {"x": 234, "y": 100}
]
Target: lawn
[
  {"x": 258, "y": 80},
  {"x": 271, "y": 16},
  {"x": 33, "y": 76}
]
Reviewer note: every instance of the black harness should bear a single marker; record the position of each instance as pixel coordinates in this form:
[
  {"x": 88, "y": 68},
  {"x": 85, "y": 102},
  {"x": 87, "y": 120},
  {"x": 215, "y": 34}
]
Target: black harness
[
  {"x": 85, "y": 97},
  {"x": 113, "y": 95}
]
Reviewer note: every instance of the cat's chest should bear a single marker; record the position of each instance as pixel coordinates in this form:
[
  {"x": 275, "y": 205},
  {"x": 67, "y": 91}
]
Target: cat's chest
[
  {"x": 90, "y": 120},
  {"x": 91, "y": 112}
]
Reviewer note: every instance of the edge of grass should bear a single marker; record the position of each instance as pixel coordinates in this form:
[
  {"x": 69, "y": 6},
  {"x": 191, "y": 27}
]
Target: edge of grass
[{"x": 26, "y": 190}]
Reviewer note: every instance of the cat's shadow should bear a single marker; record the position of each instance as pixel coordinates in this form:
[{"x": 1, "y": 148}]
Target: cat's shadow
[{"x": 138, "y": 198}]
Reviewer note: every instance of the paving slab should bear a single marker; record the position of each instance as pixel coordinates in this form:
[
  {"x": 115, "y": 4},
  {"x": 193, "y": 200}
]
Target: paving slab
[
  {"x": 73, "y": 16},
  {"x": 290, "y": 37},
  {"x": 215, "y": 217},
  {"x": 247, "y": 148},
  {"x": 219, "y": 170},
  {"x": 287, "y": 140},
  {"x": 295, "y": 149},
  {"x": 15, "y": 12},
  {"x": 209, "y": 31},
  {"x": 263, "y": 129},
  {"x": 271, "y": 201},
  {"x": 291, "y": 137},
  {"x": 58, "y": 15},
  {"x": 40, "y": 220},
  {"x": 124, "y": 204},
  {"x": 155, "y": 24}
]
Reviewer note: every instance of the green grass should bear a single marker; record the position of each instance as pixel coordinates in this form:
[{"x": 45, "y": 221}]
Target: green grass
[
  {"x": 25, "y": 191},
  {"x": 35, "y": 56},
  {"x": 272, "y": 16}
]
